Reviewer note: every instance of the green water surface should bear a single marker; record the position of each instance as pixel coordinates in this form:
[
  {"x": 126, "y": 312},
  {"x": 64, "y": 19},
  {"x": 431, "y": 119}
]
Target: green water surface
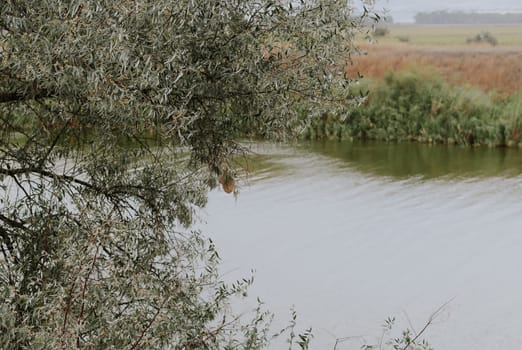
[{"x": 403, "y": 160}]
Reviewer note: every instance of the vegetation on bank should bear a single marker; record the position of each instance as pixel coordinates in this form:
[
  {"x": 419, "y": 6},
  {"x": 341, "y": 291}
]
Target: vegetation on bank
[{"x": 420, "y": 107}]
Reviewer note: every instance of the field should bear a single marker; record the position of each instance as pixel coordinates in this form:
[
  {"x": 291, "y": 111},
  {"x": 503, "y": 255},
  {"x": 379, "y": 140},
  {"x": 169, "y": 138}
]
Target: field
[
  {"x": 492, "y": 70},
  {"x": 450, "y": 35},
  {"x": 442, "y": 50},
  {"x": 434, "y": 89}
]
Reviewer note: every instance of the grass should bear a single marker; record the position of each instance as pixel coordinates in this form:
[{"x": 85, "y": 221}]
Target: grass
[
  {"x": 443, "y": 49},
  {"x": 451, "y": 34}
]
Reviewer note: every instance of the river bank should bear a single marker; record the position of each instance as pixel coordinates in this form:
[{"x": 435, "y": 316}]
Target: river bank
[
  {"x": 420, "y": 106},
  {"x": 432, "y": 88}
]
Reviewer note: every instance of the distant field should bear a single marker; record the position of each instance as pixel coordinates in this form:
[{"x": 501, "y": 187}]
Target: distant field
[
  {"x": 489, "y": 68},
  {"x": 450, "y": 35}
]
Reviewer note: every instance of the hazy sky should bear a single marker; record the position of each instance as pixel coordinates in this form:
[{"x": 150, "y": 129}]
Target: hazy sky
[{"x": 404, "y": 10}]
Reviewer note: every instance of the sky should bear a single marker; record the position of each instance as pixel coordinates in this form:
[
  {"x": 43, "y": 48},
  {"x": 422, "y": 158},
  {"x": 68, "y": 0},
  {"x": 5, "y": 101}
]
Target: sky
[{"x": 403, "y": 11}]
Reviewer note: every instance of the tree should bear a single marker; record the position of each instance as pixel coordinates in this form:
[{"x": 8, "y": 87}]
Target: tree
[{"x": 116, "y": 117}]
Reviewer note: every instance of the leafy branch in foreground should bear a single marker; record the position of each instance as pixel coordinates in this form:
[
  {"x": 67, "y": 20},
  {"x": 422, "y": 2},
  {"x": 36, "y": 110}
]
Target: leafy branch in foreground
[{"x": 409, "y": 339}]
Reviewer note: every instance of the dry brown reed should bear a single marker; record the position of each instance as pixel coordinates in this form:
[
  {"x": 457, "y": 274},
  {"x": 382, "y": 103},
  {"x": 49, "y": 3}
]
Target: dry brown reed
[{"x": 491, "y": 69}]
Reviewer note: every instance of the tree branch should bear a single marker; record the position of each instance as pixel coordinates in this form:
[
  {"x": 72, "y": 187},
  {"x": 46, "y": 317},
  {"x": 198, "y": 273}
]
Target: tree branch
[
  {"x": 84, "y": 290},
  {"x": 6, "y": 97},
  {"x": 142, "y": 335},
  {"x": 108, "y": 191},
  {"x": 432, "y": 318},
  {"x": 13, "y": 223}
]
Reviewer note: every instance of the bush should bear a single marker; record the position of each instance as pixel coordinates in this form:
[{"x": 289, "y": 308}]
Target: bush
[
  {"x": 381, "y": 31},
  {"x": 421, "y": 107},
  {"x": 483, "y": 37}
]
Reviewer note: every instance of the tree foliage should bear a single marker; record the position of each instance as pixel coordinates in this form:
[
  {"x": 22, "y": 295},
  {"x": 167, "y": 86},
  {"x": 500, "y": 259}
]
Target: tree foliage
[{"x": 115, "y": 118}]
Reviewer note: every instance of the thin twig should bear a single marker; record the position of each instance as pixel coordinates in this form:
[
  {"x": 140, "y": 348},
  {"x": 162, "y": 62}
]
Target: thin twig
[
  {"x": 409, "y": 322},
  {"x": 142, "y": 335},
  {"x": 84, "y": 290},
  {"x": 429, "y": 322}
]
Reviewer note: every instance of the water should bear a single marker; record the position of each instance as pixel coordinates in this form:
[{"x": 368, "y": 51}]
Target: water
[{"x": 353, "y": 233}]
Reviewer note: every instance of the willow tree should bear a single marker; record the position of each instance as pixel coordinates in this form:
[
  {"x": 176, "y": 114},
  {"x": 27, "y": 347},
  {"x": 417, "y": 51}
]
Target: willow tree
[{"x": 115, "y": 118}]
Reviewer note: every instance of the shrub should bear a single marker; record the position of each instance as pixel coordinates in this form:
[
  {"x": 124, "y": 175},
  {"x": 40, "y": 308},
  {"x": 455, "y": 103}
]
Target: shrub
[
  {"x": 381, "y": 31},
  {"x": 483, "y": 37},
  {"x": 421, "y": 107}
]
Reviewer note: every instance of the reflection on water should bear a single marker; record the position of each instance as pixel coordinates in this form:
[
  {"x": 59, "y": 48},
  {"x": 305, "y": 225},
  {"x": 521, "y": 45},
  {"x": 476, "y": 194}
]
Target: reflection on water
[
  {"x": 428, "y": 161},
  {"x": 353, "y": 233}
]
